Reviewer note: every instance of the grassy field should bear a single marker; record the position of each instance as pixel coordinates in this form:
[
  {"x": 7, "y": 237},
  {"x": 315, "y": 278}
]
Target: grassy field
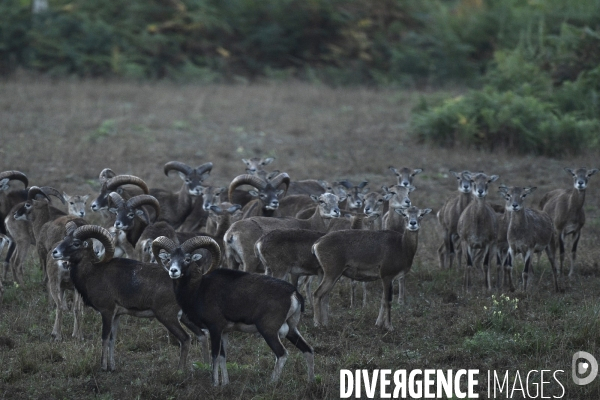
[{"x": 63, "y": 133}]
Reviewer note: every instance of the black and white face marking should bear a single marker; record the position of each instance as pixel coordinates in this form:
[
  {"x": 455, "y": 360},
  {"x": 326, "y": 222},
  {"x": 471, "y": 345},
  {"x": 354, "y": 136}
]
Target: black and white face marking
[
  {"x": 480, "y": 182},
  {"x": 269, "y": 196},
  {"x": 413, "y": 217},
  {"x": 515, "y": 196},
  {"x": 177, "y": 263},
  {"x": 68, "y": 247},
  {"x": 23, "y": 211},
  {"x": 126, "y": 216},
  {"x": 328, "y": 204},
  {"x": 581, "y": 177}
]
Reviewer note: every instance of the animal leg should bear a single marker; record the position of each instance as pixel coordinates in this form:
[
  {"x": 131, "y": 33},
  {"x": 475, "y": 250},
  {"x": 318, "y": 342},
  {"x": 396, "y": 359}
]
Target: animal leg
[
  {"x": 574, "y": 253},
  {"x": 321, "y": 300},
  {"x": 526, "y": 269},
  {"x": 201, "y": 335},
  {"x": 171, "y": 322},
  {"x": 467, "y": 276},
  {"x": 218, "y": 357},
  {"x": 385, "y": 317},
  {"x": 107, "y": 319},
  {"x": 77, "y": 316},
  {"x": 113, "y": 339}
]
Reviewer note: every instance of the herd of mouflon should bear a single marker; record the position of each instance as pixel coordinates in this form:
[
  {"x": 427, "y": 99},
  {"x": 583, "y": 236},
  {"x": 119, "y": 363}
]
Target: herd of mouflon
[{"x": 216, "y": 259}]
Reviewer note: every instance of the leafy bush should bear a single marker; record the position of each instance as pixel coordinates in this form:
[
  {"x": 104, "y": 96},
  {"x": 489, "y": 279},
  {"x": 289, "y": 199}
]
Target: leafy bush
[
  {"x": 489, "y": 119},
  {"x": 540, "y": 97}
]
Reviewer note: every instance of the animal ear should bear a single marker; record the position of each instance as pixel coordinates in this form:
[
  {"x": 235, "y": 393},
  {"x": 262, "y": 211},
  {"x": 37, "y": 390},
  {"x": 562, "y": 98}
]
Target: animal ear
[
  {"x": 363, "y": 184},
  {"x": 411, "y": 188},
  {"x": 456, "y": 174},
  {"x": 196, "y": 257},
  {"x": 119, "y": 190},
  {"x": 86, "y": 197},
  {"x": 280, "y": 192},
  {"x": 314, "y": 198},
  {"x": 113, "y": 210},
  {"x": 253, "y": 193},
  {"x": 86, "y": 244},
  {"x": 341, "y": 198},
  {"x": 182, "y": 175},
  {"x": 530, "y": 189},
  {"x": 324, "y": 185},
  {"x": 493, "y": 178},
  {"x": 400, "y": 211},
  {"x": 365, "y": 190},
  {"x": 216, "y": 209},
  {"x": 424, "y": 212},
  {"x": 417, "y": 171},
  {"x": 395, "y": 171},
  {"x": 592, "y": 171},
  {"x": 503, "y": 189},
  {"x": 139, "y": 212},
  {"x": 569, "y": 170},
  {"x": 164, "y": 256},
  {"x": 4, "y": 182},
  {"x": 387, "y": 196},
  {"x": 233, "y": 208},
  {"x": 66, "y": 196},
  {"x": 267, "y": 161}
]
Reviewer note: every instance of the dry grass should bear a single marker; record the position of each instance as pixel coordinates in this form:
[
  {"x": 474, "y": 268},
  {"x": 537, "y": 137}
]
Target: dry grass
[{"x": 63, "y": 133}]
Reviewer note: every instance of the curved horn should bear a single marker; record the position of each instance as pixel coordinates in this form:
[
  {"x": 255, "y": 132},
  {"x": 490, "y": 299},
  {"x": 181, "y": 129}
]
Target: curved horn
[
  {"x": 162, "y": 242},
  {"x": 99, "y": 233},
  {"x": 178, "y": 166},
  {"x": 246, "y": 179},
  {"x": 116, "y": 199},
  {"x": 70, "y": 227},
  {"x": 204, "y": 242},
  {"x": 34, "y": 191},
  {"x": 51, "y": 191},
  {"x": 204, "y": 168},
  {"x": 14, "y": 175},
  {"x": 144, "y": 200},
  {"x": 106, "y": 174},
  {"x": 280, "y": 179},
  {"x": 121, "y": 180}
]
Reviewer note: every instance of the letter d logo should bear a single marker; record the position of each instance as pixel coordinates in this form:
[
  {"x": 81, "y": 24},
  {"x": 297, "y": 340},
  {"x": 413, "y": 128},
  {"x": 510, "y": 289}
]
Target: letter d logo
[{"x": 590, "y": 365}]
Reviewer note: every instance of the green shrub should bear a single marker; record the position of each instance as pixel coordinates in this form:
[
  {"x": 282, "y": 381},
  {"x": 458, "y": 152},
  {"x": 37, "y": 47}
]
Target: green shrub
[{"x": 489, "y": 119}]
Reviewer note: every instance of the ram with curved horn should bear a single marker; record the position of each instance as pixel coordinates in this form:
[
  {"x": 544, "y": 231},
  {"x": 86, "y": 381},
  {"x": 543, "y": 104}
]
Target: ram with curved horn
[
  {"x": 116, "y": 183},
  {"x": 176, "y": 206},
  {"x": 47, "y": 222},
  {"x": 132, "y": 218},
  {"x": 225, "y": 300},
  {"x": 9, "y": 198},
  {"x": 268, "y": 193},
  {"x": 119, "y": 286}
]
